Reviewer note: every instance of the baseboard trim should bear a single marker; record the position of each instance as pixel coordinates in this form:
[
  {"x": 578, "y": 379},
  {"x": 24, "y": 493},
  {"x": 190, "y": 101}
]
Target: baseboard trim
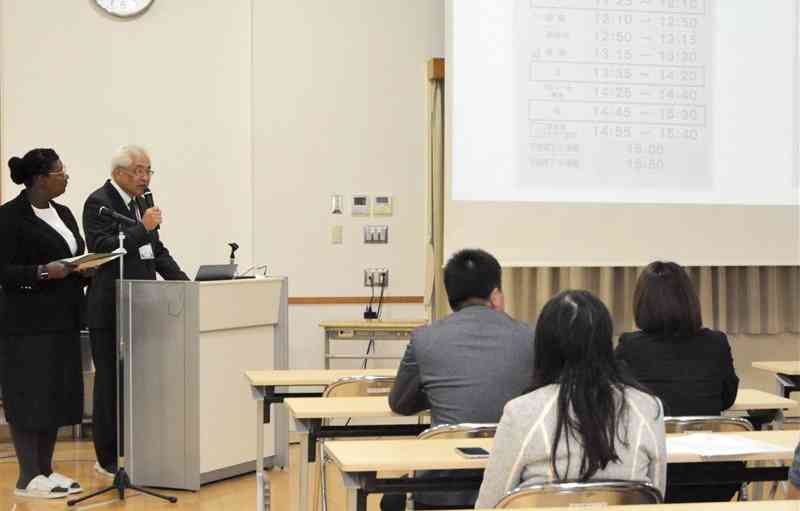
[
  {"x": 353, "y": 300},
  {"x": 236, "y": 470}
]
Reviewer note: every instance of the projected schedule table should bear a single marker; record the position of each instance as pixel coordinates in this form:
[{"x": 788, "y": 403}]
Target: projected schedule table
[{"x": 617, "y": 92}]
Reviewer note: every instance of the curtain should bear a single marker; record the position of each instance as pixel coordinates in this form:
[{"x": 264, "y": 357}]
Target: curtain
[{"x": 737, "y": 300}]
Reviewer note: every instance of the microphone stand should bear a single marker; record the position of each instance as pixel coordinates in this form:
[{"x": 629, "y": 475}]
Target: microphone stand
[{"x": 121, "y": 480}]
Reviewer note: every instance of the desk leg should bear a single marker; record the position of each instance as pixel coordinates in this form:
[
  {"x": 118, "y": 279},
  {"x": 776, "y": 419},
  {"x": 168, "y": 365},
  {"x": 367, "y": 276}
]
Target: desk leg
[
  {"x": 779, "y": 419},
  {"x": 261, "y": 504},
  {"x": 361, "y": 500},
  {"x": 356, "y": 499},
  {"x": 309, "y": 431},
  {"x": 352, "y": 499},
  {"x": 777, "y": 425},
  {"x": 302, "y": 486}
]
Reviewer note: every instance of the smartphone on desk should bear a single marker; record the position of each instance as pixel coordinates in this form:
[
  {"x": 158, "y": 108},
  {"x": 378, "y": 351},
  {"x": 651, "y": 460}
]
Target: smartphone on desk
[{"x": 472, "y": 452}]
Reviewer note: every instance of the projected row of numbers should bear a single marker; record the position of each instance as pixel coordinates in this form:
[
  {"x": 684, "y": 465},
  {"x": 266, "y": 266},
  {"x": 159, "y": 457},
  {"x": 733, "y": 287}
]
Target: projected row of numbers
[
  {"x": 624, "y": 85},
  {"x": 587, "y": 111}
]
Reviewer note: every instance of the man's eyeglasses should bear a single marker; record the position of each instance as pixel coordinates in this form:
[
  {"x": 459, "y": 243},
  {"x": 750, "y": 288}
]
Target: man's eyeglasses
[{"x": 139, "y": 172}]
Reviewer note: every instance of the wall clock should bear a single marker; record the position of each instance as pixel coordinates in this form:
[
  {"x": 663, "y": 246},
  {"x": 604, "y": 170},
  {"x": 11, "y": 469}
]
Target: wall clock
[{"x": 124, "y": 8}]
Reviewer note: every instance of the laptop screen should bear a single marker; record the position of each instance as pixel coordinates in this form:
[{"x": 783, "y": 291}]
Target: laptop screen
[{"x": 216, "y": 272}]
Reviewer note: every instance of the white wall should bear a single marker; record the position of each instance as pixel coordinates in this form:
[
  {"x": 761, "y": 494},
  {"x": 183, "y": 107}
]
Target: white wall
[
  {"x": 176, "y": 80},
  {"x": 340, "y": 107},
  {"x": 249, "y": 135}
]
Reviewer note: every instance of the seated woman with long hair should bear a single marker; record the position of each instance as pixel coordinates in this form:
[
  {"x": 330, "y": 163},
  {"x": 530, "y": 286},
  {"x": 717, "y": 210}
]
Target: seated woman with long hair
[{"x": 585, "y": 419}]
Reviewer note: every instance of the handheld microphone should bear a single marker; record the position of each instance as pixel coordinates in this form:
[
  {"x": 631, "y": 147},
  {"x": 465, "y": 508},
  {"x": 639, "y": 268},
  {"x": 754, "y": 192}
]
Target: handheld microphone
[
  {"x": 110, "y": 213},
  {"x": 148, "y": 201}
]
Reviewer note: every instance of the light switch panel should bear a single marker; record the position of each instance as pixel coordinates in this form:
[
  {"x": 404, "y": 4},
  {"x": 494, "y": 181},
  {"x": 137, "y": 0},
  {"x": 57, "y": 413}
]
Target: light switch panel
[
  {"x": 337, "y": 234},
  {"x": 382, "y": 205},
  {"x": 337, "y": 204},
  {"x": 360, "y": 205}
]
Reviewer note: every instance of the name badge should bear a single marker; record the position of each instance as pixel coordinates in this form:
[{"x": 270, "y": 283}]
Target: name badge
[{"x": 146, "y": 252}]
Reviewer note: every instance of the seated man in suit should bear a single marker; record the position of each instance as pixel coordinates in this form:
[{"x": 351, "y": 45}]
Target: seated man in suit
[{"x": 466, "y": 366}]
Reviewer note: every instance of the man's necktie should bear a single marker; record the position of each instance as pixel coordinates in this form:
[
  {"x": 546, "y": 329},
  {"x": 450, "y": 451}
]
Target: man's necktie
[{"x": 132, "y": 208}]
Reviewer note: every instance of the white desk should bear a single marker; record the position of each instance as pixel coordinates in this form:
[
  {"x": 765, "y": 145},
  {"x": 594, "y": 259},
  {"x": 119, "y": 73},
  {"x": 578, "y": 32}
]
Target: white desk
[
  {"x": 787, "y": 374},
  {"x": 790, "y": 367},
  {"x": 360, "y": 462},
  {"x": 368, "y": 330},
  {"x": 308, "y": 415},
  {"x": 272, "y": 387}
]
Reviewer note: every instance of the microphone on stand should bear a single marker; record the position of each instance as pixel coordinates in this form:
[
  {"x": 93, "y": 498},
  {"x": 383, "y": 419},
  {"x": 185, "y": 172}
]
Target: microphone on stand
[
  {"x": 234, "y": 247},
  {"x": 110, "y": 213},
  {"x": 148, "y": 201}
]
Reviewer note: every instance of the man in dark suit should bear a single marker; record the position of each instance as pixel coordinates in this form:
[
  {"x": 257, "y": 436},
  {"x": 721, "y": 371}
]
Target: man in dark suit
[
  {"x": 467, "y": 366},
  {"x": 146, "y": 256}
]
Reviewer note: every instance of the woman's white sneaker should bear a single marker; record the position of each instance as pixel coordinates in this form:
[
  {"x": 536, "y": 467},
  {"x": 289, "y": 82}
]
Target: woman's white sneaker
[
  {"x": 63, "y": 481},
  {"x": 41, "y": 487}
]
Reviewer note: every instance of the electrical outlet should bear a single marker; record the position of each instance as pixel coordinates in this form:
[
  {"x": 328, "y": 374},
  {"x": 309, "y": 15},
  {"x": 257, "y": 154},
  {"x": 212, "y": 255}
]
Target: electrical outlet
[
  {"x": 377, "y": 277},
  {"x": 376, "y": 234}
]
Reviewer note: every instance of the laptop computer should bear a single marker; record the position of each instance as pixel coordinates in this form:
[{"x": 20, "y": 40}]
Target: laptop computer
[{"x": 208, "y": 272}]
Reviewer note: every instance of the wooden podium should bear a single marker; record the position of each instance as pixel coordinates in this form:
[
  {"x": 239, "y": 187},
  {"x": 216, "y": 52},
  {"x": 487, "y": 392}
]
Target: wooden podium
[{"x": 187, "y": 409}]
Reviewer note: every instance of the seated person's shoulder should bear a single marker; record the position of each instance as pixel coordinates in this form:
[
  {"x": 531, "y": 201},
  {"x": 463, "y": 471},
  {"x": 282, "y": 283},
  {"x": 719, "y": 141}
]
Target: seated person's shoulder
[
  {"x": 633, "y": 344},
  {"x": 502, "y": 319},
  {"x": 715, "y": 335},
  {"x": 630, "y": 337},
  {"x": 712, "y": 340},
  {"x": 532, "y": 403},
  {"x": 649, "y": 404},
  {"x": 425, "y": 334},
  {"x": 522, "y": 327}
]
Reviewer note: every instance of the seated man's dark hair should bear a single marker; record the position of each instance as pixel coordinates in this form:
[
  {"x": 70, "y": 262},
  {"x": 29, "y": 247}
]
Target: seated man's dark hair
[{"x": 470, "y": 274}]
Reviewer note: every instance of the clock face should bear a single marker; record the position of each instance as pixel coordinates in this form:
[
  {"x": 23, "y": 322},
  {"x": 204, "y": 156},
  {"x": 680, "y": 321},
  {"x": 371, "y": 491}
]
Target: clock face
[{"x": 124, "y": 8}]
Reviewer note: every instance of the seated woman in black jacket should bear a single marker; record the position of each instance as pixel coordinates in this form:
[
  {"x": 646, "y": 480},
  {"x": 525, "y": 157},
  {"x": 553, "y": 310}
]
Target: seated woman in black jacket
[{"x": 689, "y": 367}]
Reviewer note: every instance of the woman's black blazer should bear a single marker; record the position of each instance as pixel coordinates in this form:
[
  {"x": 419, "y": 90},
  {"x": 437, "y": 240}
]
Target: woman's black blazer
[
  {"x": 693, "y": 375},
  {"x": 26, "y": 241}
]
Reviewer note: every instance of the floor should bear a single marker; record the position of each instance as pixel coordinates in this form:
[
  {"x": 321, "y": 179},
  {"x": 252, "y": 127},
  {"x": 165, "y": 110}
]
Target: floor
[{"x": 76, "y": 460}]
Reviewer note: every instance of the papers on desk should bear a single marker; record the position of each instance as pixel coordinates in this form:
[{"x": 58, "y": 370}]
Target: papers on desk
[
  {"x": 91, "y": 260},
  {"x": 718, "y": 447}
]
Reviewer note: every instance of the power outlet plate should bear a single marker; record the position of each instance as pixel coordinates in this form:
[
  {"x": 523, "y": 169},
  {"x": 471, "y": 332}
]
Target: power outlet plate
[
  {"x": 374, "y": 234},
  {"x": 377, "y": 277}
]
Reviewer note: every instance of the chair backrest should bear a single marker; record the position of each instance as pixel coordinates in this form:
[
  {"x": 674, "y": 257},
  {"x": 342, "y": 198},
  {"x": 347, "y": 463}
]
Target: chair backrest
[
  {"x": 465, "y": 430},
  {"x": 359, "y": 386},
  {"x": 569, "y": 494},
  {"x": 709, "y": 423}
]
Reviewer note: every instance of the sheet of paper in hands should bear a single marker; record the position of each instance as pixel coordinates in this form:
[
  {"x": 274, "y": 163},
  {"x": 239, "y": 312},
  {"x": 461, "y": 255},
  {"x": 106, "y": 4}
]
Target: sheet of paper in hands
[{"x": 91, "y": 260}]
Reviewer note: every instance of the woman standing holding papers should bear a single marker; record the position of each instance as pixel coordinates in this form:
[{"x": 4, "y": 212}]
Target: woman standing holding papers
[{"x": 41, "y": 364}]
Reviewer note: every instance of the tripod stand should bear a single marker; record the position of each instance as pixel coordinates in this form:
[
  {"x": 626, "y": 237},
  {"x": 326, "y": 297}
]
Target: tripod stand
[{"x": 121, "y": 480}]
